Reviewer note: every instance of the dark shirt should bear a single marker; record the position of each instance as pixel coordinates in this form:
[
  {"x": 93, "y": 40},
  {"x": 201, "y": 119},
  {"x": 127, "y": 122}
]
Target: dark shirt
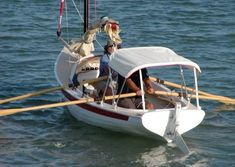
[{"x": 135, "y": 77}]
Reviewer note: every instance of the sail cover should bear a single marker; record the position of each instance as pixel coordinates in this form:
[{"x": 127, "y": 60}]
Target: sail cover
[{"x": 128, "y": 60}]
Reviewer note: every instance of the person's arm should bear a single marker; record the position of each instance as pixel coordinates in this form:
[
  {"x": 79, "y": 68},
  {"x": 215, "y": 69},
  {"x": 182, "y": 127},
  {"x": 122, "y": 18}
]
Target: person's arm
[
  {"x": 148, "y": 85},
  {"x": 133, "y": 86}
]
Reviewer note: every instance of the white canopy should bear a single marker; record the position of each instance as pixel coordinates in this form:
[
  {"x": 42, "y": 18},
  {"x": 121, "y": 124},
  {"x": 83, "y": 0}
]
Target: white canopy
[{"x": 128, "y": 60}]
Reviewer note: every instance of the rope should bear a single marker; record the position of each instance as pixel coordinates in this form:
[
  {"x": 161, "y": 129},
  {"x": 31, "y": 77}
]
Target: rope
[
  {"x": 89, "y": 18},
  {"x": 99, "y": 44},
  {"x": 81, "y": 18},
  {"x": 95, "y": 9},
  {"x": 78, "y": 11},
  {"x": 183, "y": 83}
]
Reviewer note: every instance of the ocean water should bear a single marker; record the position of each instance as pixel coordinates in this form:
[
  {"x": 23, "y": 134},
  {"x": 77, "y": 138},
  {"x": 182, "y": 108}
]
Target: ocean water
[{"x": 201, "y": 30}]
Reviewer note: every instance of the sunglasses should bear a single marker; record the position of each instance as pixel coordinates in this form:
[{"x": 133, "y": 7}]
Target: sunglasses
[{"x": 111, "y": 45}]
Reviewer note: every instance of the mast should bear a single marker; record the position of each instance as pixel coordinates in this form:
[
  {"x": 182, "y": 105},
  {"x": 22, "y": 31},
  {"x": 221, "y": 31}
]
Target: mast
[{"x": 86, "y": 17}]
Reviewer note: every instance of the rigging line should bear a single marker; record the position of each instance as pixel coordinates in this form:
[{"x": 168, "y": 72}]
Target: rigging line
[
  {"x": 83, "y": 20},
  {"x": 194, "y": 89},
  {"x": 95, "y": 9},
  {"x": 99, "y": 44},
  {"x": 183, "y": 83},
  {"x": 89, "y": 15},
  {"x": 181, "y": 88},
  {"x": 78, "y": 11}
]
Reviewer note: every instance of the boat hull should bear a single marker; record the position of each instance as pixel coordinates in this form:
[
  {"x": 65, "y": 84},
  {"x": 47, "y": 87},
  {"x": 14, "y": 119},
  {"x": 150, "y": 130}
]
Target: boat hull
[
  {"x": 163, "y": 121},
  {"x": 115, "y": 120},
  {"x": 96, "y": 115}
]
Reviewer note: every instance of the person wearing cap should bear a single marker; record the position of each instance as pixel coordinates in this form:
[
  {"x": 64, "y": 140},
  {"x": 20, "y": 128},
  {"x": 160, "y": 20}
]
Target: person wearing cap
[{"x": 109, "y": 49}]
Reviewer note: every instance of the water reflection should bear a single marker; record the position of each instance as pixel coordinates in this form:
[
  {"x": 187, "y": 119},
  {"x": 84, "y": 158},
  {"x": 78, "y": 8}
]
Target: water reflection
[{"x": 170, "y": 156}]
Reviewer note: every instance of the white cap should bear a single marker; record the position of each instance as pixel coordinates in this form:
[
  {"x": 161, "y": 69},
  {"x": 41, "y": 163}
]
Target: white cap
[{"x": 103, "y": 20}]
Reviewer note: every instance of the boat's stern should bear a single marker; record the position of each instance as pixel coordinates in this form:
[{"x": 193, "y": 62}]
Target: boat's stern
[
  {"x": 170, "y": 124},
  {"x": 166, "y": 121}
]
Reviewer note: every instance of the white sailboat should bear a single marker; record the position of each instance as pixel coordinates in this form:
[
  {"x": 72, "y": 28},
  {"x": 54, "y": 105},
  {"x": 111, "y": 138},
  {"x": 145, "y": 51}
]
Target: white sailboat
[{"x": 173, "y": 115}]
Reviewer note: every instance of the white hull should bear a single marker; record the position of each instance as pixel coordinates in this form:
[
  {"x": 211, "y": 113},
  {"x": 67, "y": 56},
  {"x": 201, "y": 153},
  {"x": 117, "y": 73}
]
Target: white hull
[{"x": 163, "y": 121}]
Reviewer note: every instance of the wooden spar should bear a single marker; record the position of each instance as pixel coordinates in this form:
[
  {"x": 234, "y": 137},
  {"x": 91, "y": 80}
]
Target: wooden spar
[
  {"x": 176, "y": 94},
  {"x": 5, "y": 112},
  {"x": 24, "y": 96},
  {"x": 203, "y": 95},
  {"x": 44, "y": 91},
  {"x": 222, "y": 98}
]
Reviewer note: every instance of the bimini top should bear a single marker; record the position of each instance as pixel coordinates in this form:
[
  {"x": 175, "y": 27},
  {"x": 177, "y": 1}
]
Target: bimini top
[{"x": 128, "y": 60}]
